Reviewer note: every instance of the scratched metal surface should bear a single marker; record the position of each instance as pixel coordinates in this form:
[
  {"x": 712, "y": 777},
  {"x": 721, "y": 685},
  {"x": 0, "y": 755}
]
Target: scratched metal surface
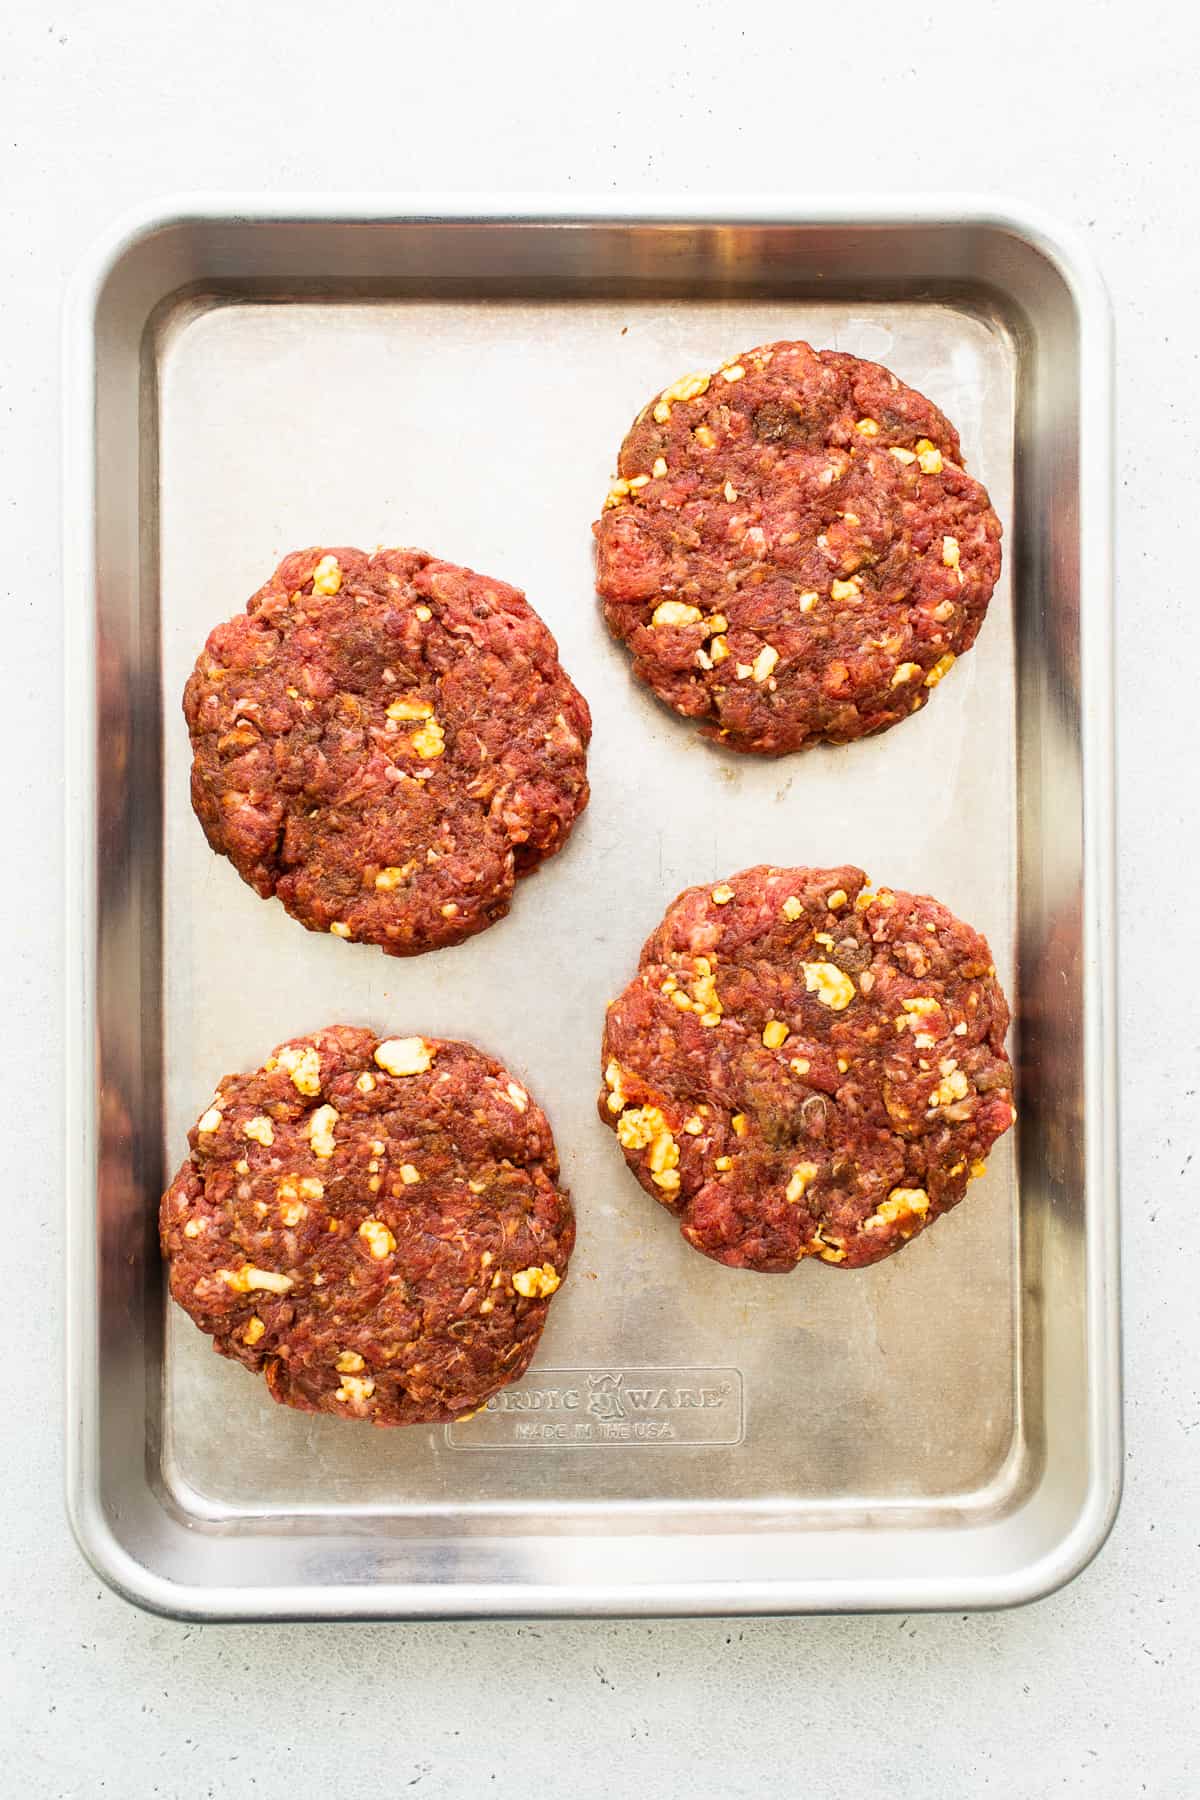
[{"x": 665, "y": 1385}]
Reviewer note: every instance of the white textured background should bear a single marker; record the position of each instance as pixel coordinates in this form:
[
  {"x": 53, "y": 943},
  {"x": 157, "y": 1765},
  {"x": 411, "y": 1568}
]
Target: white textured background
[{"x": 1086, "y": 109}]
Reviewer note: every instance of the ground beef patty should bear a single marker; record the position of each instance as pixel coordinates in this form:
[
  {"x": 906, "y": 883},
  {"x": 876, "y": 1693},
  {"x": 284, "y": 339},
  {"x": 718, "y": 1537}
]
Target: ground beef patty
[
  {"x": 375, "y": 1226},
  {"x": 385, "y": 743},
  {"x": 801, "y": 1067},
  {"x": 792, "y": 550}
]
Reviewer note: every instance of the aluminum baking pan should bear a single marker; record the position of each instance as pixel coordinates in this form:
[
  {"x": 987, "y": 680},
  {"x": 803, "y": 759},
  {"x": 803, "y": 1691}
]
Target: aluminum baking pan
[{"x": 942, "y": 1430}]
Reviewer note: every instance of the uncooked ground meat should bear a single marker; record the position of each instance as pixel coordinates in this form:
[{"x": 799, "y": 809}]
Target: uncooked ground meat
[
  {"x": 804, "y": 1068},
  {"x": 793, "y": 551},
  {"x": 375, "y": 1226},
  {"x": 385, "y": 743}
]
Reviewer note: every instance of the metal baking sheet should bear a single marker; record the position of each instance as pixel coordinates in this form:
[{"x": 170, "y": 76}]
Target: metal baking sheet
[{"x": 941, "y": 1430}]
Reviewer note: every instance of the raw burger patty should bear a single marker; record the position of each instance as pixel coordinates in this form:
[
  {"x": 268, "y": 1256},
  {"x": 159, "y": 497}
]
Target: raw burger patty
[
  {"x": 801, "y": 1067},
  {"x": 375, "y": 1227},
  {"x": 792, "y": 549},
  {"x": 385, "y": 743}
]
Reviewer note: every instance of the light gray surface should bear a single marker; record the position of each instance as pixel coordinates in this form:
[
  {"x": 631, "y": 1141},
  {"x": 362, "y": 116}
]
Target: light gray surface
[{"x": 1089, "y": 1693}]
